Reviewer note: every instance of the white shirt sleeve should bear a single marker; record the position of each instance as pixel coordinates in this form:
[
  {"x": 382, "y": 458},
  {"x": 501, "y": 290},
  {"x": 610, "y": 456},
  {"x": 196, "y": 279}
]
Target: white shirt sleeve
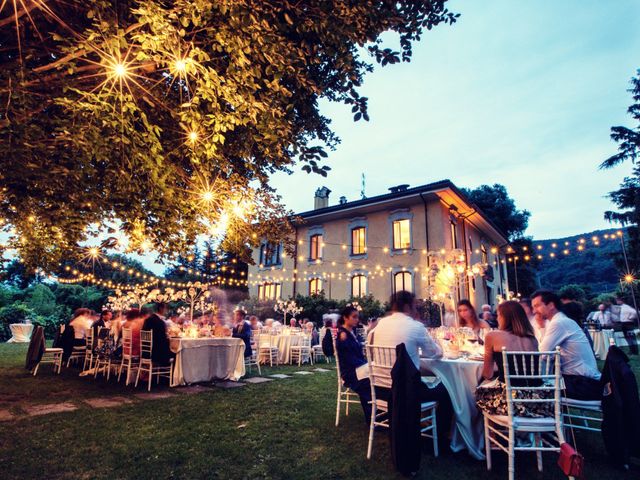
[
  {"x": 553, "y": 336},
  {"x": 430, "y": 349}
]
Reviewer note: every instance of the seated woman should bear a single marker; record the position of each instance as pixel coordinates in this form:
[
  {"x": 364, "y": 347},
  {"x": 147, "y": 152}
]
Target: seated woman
[
  {"x": 515, "y": 333},
  {"x": 133, "y": 321},
  {"x": 350, "y": 356},
  {"x": 469, "y": 318},
  {"x": 220, "y": 328}
]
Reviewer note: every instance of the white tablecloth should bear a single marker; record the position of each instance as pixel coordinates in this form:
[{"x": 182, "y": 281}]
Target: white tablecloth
[
  {"x": 601, "y": 342},
  {"x": 21, "y": 332},
  {"x": 206, "y": 359},
  {"x": 285, "y": 342},
  {"x": 460, "y": 378}
]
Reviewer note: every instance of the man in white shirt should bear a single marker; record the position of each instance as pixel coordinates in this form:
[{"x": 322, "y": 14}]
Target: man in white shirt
[
  {"x": 577, "y": 361},
  {"x": 602, "y": 316},
  {"x": 628, "y": 314},
  {"x": 628, "y": 321},
  {"x": 400, "y": 327},
  {"x": 81, "y": 322}
]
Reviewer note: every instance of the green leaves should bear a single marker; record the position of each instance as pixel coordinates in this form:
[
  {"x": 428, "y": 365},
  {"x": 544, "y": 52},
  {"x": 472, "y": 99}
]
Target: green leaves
[{"x": 98, "y": 131}]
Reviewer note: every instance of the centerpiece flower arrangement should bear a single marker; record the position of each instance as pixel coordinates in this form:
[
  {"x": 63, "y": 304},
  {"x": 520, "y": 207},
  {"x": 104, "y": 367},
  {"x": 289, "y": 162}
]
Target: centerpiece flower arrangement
[{"x": 287, "y": 308}]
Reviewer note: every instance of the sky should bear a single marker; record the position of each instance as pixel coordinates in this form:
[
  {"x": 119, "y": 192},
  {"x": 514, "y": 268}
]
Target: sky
[{"x": 518, "y": 93}]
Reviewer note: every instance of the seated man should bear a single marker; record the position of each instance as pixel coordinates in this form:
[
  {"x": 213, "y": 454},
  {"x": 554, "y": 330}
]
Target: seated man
[
  {"x": 161, "y": 353},
  {"x": 350, "y": 356},
  {"x": 577, "y": 360},
  {"x": 400, "y": 327},
  {"x": 255, "y": 323},
  {"x": 242, "y": 330}
]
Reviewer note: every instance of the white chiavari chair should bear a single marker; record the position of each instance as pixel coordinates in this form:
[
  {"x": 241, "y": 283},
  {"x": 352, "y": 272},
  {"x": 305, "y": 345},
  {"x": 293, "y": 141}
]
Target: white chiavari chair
[
  {"x": 301, "y": 352},
  {"x": 345, "y": 395},
  {"x": 267, "y": 349},
  {"x": 381, "y": 360},
  {"x": 146, "y": 362},
  {"x": 531, "y": 378},
  {"x": 129, "y": 361},
  {"x": 88, "y": 352}
]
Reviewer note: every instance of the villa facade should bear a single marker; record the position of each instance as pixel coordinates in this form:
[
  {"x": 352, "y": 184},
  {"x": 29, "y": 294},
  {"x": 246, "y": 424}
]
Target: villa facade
[{"x": 380, "y": 245}]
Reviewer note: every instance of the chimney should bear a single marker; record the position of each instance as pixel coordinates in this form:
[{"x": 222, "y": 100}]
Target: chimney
[
  {"x": 343, "y": 200},
  {"x": 399, "y": 188},
  {"x": 321, "y": 199}
]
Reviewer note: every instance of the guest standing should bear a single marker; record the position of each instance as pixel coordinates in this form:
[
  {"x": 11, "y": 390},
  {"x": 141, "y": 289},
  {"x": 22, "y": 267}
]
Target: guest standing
[{"x": 578, "y": 363}]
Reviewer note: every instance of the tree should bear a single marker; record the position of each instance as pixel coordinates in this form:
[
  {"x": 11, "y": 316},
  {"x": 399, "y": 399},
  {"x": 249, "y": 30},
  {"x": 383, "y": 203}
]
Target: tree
[
  {"x": 627, "y": 197},
  {"x": 495, "y": 203},
  {"x": 165, "y": 119}
]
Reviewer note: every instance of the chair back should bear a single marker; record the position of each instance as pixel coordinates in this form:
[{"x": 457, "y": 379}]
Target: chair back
[
  {"x": 335, "y": 353},
  {"x": 127, "y": 341},
  {"x": 90, "y": 340},
  {"x": 381, "y": 360},
  {"x": 533, "y": 378},
  {"x": 304, "y": 341},
  {"x": 146, "y": 343}
]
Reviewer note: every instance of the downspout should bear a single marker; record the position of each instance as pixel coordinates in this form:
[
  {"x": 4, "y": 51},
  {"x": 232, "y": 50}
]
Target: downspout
[
  {"x": 426, "y": 238},
  {"x": 295, "y": 263},
  {"x": 466, "y": 257}
]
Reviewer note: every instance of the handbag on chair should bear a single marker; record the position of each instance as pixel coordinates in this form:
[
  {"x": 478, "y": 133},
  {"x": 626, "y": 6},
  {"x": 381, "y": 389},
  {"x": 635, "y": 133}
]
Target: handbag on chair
[{"x": 570, "y": 461}]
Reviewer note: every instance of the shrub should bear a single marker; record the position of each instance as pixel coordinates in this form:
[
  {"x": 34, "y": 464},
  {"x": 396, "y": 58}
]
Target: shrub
[
  {"x": 41, "y": 300},
  {"x": 50, "y": 324},
  {"x": 262, "y": 309}
]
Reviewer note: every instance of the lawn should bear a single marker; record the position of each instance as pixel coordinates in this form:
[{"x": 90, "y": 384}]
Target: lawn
[{"x": 281, "y": 429}]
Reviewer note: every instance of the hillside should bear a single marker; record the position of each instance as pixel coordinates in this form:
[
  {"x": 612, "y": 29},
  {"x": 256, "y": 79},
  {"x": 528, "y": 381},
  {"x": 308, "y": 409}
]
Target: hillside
[{"x": 593, "y": 266}]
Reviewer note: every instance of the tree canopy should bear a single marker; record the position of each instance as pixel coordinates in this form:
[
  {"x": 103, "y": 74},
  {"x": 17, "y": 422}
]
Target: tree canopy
[
  {"x": 501, "y": 209},
  {"x": 627, "y": 197},
  {"x": 165, "y": 119}
]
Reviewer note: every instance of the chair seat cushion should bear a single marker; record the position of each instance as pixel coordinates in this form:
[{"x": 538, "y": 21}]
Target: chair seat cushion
[
  {"x": 595, "y": 405},
  {"x": 53, "y": 350},
  {"x": 428, "y": 405},
  {"x": 523, "y": 422}
]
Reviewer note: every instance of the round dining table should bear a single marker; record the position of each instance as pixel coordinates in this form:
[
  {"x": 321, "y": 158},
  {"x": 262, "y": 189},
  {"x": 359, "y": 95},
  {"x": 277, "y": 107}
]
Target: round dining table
[
  {"x": 20, "y": 332},
  {"x": 461, "y": 377},
  {"x": 601, "y": 341},
  {"x": 284, "y": 342},
  {"x": 206, "y": 359}
]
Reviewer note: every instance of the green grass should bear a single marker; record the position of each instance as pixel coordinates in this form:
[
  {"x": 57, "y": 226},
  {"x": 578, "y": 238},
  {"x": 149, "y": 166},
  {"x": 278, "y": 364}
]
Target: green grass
[{"x": 281, "y": 429}]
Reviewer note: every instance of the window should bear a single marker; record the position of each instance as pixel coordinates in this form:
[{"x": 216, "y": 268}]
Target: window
[
  {"x": 485, "y": 258},
  {"x": 358, "y": 241},
  {"x": 315, "y": 247},
  {"x": 454, "y": 236},
  {"x": 269, "y": 291},
  {"x": 401, "y": 234},
  {"x": 270, "y": 254},
  {"x": 315, "y": 286},
  {"x": 358, "y": 286},
  {"x": 402, "y": 281}
]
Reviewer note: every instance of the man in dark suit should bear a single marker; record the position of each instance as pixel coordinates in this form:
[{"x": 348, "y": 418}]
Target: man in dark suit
[
  {"x": 161, "y": 353},
  {"x": 242, "y": 330}
]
